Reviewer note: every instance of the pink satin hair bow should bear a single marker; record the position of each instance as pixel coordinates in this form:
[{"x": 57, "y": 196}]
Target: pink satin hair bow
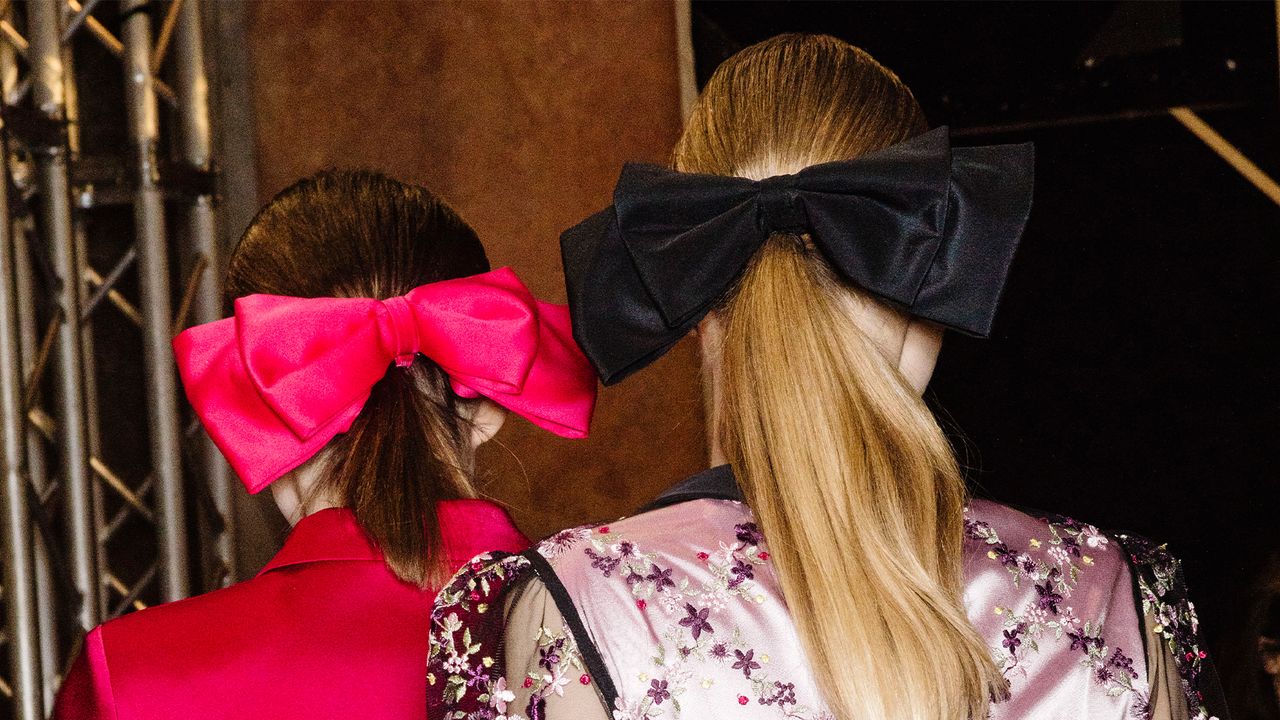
[{"x": 281, "y": 378}]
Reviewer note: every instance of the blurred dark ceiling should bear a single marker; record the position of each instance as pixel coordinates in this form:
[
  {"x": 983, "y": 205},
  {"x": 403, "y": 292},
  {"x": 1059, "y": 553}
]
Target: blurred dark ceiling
[{"x": 974, "y": 65}]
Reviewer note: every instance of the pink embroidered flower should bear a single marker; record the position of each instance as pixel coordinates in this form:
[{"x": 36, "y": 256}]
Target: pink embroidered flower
[
  {"x": 641, "y": 604},
  {"x": 585, "y": 679},
  {"x": 499, "y": 696},
  {"x": 742, "y": 700},
  {"x": 703, "y": 556}
]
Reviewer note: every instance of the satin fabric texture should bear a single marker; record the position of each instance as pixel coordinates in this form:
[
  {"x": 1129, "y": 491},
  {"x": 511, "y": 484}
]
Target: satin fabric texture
[
  {"x": 326, "y": 630},
  {"x": 276, "y": 382},
  {"x": 929, "y": 228}
]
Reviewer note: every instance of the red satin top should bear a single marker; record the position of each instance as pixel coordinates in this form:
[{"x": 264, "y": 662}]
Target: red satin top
[{"x": 326, "y": 630}]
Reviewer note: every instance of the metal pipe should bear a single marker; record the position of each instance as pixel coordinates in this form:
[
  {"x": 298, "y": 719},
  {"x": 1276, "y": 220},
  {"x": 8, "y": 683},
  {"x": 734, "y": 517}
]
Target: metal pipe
[
  {"x": 153, "y": 280},
  {"x": 28, "y": 338},
  {"x": 19, "y": 571},
  {"x": 48, "y": 93},
  {"x": 192, "y": 82},
  {"x": 89, "y": 358}
]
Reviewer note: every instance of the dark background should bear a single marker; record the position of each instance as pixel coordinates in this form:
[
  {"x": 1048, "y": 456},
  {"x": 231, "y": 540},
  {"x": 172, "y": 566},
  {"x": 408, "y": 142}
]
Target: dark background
[{"x": 1130, "y": 380}]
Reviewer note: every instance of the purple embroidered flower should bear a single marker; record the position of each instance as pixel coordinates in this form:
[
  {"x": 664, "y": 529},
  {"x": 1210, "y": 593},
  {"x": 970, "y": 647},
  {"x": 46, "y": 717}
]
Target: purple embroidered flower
[
  {"x": 1008, "y": 558},
  {"x": 476, "y": 676},
  {"x": 1071, "y": 545},
  {"x": 549, "y": 656},
  {"x": 660, "y": 578},
  {"x": 658, "y": 691},
  {"x": 1049, "y": 598},
  {"x": 633, "y": 577},
  {"x": 719, "y": 651},
  {"x": 782, "y": 694},
  {"x": 745, "y": 662},
  {"x": 740, "y": 572},
  {"x": 537, "y": 709},
  {"x": 1120, "y": 661},
  {"x": 749, "y": 533},
  {"x": 603, "y": 563},
  {"x": 626, "y": 548},
  {"x": 697, "y": 621},
  {"x": 1012, "y": 641},
  {"x": 1081, "y": 641}
]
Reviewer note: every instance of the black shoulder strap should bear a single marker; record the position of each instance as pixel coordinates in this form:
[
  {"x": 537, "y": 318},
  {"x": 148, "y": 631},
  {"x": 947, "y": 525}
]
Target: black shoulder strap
[{"x": 586, "y": 647}]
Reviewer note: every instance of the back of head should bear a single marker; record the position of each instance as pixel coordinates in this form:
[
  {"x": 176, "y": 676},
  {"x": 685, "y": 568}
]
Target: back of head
[
  {"x": 851, "y": 479},
  {"x": 362, "y": 234}
]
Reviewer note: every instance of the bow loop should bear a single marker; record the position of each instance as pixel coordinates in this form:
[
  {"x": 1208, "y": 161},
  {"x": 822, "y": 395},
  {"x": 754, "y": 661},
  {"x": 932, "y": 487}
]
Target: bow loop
[
  {"x": 279, "y": 380},
  {"x": 930, "y": 230}
]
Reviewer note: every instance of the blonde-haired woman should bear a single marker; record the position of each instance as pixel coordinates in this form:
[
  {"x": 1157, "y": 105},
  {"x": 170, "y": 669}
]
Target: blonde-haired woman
[{"x": 818, "y": 239}]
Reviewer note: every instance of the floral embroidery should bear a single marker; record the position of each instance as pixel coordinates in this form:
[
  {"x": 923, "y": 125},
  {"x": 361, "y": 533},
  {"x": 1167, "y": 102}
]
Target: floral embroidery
[
  {"x": 1051, "y": 567},
  {"x": 461, "y": 682},
  {"x": 1164, "y": 599},
  {"x": 693, "y": 620},
  {"x": 694, "y": 597}
]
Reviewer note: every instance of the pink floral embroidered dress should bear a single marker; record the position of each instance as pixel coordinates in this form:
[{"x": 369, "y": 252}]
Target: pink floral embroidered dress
[{"x": 676, "y": 613}]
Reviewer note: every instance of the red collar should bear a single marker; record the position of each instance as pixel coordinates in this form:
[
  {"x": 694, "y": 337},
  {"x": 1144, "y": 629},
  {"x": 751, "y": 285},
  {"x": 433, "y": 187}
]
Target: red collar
[
  {"x": 327, "y": 535},
  {"x": 467, "y": 527}
]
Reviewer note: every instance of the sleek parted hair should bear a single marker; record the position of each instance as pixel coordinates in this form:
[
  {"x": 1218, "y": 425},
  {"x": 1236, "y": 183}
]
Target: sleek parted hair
[
  {"x": 852, "y": 480},
  {"x": 362, "y": 234}
]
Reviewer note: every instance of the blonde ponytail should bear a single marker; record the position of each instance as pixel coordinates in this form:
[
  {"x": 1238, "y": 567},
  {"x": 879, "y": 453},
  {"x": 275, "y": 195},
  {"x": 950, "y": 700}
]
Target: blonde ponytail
[
  {"x": 852, "y": 481},
  {"x": 858, "y": 493}
]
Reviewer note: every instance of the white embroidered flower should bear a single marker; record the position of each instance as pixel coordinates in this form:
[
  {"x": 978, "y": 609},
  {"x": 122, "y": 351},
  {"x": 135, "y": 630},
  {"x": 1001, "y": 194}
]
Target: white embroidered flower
[
  {"x": 1059, "y": 555},
  {"x": 558, "y": 544},
  {"x": 555, "y": 683},
  {"x": 499, "y": 696},
  {"x": 714, "y": 596},
  {"x": 456, "y": 664},
  {"x": 627, "y": 711},
  {"x": 1036, "y": 615},
  {"x": 451, "y": 623},
  {"x": 670, "y": 602},
  {"x": 1094, "y": 539}
]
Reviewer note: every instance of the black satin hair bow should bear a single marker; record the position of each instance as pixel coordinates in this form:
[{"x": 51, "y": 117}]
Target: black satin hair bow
[{"x": 926, "y": 227}]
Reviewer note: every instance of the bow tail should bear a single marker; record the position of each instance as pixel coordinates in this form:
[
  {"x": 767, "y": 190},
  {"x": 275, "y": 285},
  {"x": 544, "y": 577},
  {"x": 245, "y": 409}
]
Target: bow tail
[{"x": 559, "y": 392}]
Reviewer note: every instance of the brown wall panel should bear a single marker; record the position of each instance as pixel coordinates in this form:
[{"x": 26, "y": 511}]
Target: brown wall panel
[{"x": 521, "y": 114}]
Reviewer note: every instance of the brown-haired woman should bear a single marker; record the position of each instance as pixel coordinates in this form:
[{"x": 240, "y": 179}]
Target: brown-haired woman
[
  {"x": 370, "y": 352},
  {"x": 818, "y": 239}
]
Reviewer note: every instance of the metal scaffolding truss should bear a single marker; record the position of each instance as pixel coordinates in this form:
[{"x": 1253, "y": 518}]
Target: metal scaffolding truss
[{"x": 91, "y": 531}]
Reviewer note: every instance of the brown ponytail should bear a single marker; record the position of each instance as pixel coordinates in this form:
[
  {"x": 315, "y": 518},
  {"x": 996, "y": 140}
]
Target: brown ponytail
[
  {"x": 362, "y": 234},
  {"x": 851, "y": 479}
]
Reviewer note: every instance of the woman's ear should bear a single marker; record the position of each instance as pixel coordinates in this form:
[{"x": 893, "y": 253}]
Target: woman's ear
[
  {"x": 920, "y": 348},
  {"x": 486, "y": 419}
]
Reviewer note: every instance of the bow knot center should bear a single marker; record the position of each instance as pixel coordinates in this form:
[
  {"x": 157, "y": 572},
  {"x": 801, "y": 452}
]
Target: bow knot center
[
  {"x": 781, "y": 207},
  {"x": 404, "y": 330}
]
